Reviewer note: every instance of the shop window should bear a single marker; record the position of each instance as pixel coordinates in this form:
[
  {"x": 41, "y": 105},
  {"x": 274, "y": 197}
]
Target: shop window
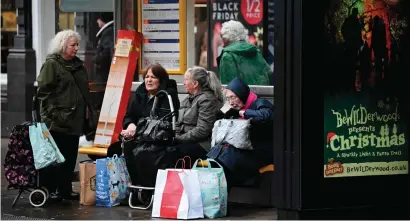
[
  {"x": 8, "y": 31},
  {"x": 257, "y": 18}
]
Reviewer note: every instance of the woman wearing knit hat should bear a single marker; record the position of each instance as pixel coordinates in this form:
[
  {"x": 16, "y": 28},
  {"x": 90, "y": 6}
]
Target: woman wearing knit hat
[{"x": 246, "y": 105}]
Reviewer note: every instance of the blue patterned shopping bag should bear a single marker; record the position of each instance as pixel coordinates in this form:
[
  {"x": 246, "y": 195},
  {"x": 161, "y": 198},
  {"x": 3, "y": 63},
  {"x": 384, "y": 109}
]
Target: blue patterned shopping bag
[
  {"x": 112, "y": 181},
  {"x": 214, "y": 189}
]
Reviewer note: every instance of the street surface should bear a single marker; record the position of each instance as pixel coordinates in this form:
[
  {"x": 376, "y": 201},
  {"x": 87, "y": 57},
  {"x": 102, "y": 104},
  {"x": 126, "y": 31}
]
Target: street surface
[{"x": 71, "y": 210}]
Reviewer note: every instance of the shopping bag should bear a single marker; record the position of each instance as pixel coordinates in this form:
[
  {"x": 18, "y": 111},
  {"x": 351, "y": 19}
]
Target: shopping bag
[
  {"x": 87, "y": 183},
  {"x": 45, "y": 150},
  {"x": 177, "y": 195},
  {"x": 214, "y": 189},
  {"x": 112, "y": 181}
]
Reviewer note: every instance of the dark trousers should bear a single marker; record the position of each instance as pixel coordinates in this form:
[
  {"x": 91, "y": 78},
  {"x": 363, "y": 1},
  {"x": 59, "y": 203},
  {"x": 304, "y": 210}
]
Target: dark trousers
[
  {"x": 59, "y": 177},
  {"x": 193, "y": 150}
]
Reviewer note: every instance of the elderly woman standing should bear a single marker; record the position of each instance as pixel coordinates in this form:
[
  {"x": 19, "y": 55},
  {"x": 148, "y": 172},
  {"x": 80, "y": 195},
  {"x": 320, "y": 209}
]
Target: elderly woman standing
[
  {"x": 197, "y": 113},
  {"x": 241, "y": 59},
  {"x": 63, "y": 93}
]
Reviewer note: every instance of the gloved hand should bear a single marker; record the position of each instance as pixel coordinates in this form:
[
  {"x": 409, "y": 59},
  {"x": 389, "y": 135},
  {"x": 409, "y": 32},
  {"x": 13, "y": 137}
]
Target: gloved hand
[
  {"x": 220, "y": 115},
  {"x": 232, "y": 113}
]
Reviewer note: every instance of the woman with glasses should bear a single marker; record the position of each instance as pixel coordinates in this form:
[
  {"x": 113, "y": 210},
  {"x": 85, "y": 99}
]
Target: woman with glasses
[{"x": 246, "y": 105}]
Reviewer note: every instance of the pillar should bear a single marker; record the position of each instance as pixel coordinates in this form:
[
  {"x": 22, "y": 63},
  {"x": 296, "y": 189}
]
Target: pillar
[{"x": 21, "y": 66}]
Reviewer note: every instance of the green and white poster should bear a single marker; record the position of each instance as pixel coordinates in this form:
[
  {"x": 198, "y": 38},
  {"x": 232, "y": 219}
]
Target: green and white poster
[{"x": 364, "y": 136}]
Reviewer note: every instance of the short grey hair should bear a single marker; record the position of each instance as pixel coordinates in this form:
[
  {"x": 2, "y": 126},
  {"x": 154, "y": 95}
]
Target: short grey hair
[
  {"x": 234, "y": 31},
  {"x": 206, "y": 79},
  {"x": 59, "y": 42}
]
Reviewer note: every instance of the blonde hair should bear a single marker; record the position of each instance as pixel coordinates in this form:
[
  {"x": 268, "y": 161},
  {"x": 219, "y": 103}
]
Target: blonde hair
[
  {"x": 59, "y": 42},
  {"x": 206, "y": 79}
]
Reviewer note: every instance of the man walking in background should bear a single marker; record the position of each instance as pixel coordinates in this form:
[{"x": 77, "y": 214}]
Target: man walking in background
[{"x": 105, "y": 47}]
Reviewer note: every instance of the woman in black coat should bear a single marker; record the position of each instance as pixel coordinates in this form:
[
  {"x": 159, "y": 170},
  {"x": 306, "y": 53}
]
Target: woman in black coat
[{"x": 156, "y": 78}]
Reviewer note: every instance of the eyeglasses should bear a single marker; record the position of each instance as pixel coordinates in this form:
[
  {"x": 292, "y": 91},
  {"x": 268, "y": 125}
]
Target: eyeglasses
[{"x": 231, "y": 98}]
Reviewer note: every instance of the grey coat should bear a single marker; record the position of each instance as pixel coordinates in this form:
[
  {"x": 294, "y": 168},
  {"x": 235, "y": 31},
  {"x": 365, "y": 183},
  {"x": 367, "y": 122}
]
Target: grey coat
[{"x": 197, "y": 115}]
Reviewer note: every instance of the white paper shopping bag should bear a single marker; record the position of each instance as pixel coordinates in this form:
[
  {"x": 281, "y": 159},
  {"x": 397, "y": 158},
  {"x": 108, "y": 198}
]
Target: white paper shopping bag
[{"x": 177, "y": 195}]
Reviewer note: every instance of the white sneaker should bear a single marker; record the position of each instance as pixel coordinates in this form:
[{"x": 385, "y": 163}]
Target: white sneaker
[{"x": 84, "y": 142}]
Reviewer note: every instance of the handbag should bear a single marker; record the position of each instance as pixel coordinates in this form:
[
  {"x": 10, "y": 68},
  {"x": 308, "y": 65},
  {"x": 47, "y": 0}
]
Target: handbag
[
  {"x": 154, "y": 129},
  {"x": 235, "y": 132}
]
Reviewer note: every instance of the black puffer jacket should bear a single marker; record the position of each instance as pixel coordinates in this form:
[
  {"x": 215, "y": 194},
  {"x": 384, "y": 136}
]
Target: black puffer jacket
[{"x": 141, "y": 104}]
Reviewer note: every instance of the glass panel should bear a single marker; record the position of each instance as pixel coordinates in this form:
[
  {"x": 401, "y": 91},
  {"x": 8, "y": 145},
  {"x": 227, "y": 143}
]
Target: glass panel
[
  {"x": 201, "y": 35},
  {"x": 129, "y": 15},
  {"x": 251, "y": 14}
]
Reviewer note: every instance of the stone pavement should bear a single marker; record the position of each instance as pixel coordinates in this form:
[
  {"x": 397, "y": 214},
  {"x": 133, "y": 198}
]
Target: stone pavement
[{"x": 73, "y": 211}]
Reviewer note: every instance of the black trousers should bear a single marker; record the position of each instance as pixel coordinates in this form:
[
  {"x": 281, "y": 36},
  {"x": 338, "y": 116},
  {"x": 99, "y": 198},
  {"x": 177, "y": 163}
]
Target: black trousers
[
  {"x": 193, "y": 150},
  {"x": 59, "y": 177}
]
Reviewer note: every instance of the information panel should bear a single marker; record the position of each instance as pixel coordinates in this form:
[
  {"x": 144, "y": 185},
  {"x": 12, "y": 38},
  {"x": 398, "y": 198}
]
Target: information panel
[{"x": 163, "y": 24}]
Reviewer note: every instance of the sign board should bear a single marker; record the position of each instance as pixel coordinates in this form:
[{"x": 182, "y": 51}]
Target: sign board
[
  {"x": 87, "y": 5},
  {"x": 163, "y": 24},
  {"x": 365, "y": 135},
  {"x": 118, "y": 87}
]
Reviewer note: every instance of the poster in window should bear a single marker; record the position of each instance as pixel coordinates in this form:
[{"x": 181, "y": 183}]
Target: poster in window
[
  {"x": 365, "y": 104},
  {"x": 249, "y": 12}
]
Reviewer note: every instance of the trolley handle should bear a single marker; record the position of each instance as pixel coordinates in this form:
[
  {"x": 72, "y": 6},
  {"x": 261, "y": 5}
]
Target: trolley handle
[
  {"x": 171, "y": 105},
  {"x": 34, "y": 104}
]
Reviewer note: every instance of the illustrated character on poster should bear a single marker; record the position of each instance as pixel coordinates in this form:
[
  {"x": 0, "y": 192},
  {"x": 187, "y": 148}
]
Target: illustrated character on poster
[{"x": 363, "y": 38}]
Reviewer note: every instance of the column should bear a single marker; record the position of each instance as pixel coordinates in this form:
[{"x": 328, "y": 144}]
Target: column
[
  {"x": 43, "y": 16},
  {"x": 21, "y": 66}
]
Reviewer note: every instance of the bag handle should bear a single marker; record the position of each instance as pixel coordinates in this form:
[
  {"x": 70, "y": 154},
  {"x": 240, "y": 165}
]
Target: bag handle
[
  {"x": 212, "y": 160},
  {"x": 171, "y": 106},
  {"x": 183, "y": 162},
  {"x": 202, "y": 162},
  {"x": 209, "y": 165}
]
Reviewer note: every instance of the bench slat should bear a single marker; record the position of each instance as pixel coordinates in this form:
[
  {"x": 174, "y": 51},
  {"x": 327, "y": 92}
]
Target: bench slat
[{"x": 99, "y": 151}]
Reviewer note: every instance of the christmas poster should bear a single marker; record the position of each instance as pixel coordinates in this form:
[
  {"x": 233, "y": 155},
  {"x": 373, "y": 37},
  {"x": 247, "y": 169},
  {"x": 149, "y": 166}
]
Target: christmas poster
[{"x": 365, "y": 105}]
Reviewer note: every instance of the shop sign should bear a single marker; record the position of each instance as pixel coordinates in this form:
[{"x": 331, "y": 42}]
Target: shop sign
[{"x": 87, "y": 5}]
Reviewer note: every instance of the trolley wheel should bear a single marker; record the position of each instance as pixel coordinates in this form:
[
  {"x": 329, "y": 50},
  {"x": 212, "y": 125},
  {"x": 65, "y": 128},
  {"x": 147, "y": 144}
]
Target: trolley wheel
[
  {"x": 38, "y": 197},
  {"x": 46, "y": 191}
]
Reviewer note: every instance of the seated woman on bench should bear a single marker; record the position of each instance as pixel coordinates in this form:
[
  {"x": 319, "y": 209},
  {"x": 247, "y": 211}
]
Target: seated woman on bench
[
  {"x": 156, "y": 78},
  {"x": 246, "y": 105},
  {"x": 197, "y": 114}
]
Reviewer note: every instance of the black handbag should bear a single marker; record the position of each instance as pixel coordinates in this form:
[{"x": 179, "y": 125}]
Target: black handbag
[{"x": 154, "y": 129}]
